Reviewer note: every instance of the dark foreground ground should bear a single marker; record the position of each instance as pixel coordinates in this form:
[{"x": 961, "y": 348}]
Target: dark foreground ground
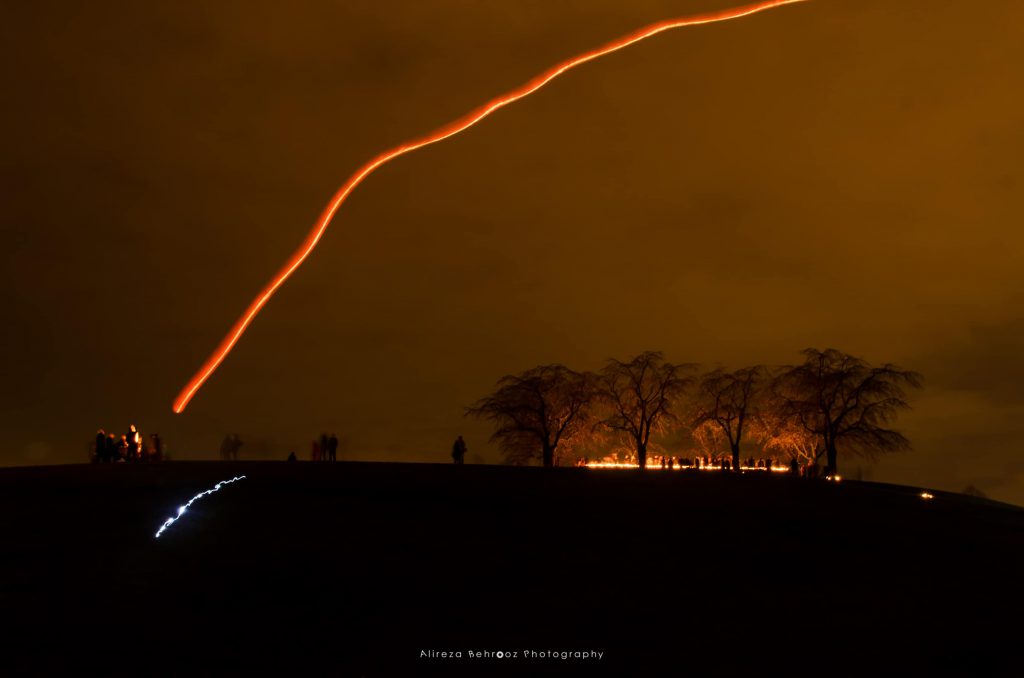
[{"x": 354, "y": 569}]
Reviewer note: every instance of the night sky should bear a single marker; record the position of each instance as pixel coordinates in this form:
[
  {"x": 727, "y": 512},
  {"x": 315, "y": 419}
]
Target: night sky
[{"x": 841, "y": 173}]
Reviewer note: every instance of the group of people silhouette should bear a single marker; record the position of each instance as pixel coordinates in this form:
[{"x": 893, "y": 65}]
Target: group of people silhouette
[
  {"x": 131, "y": 446},
  {"x": 723, "y": 463},
  {"x": 325, "y": 448},
  {"x": 230, "y": 446},
  {"x": 709, "y": 462}
]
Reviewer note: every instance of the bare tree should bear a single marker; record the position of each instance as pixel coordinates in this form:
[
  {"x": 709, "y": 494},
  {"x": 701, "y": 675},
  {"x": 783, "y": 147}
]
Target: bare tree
[
  {"x": 708, "y": 441},
  {"x": 846, "y": 403},
  {"x": 727, "y": 401},
  {"x": 785, "y": 436},
  {"x": 780, "y": 433},
  {"x": 538, "y": 413},
  {"x": 639, "y": 397}
]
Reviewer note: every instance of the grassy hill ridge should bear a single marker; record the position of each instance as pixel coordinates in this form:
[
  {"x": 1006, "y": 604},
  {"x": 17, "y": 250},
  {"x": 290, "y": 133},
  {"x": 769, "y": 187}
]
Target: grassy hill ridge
[{"x": 364, "y": 566}]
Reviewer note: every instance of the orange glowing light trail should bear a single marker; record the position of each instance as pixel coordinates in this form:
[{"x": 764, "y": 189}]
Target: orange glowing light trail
[{"x": 451, "y": 129}]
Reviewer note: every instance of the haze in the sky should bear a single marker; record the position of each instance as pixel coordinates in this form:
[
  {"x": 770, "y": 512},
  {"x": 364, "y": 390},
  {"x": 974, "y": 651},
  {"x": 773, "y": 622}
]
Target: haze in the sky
[{"x": 840, "y": 173}]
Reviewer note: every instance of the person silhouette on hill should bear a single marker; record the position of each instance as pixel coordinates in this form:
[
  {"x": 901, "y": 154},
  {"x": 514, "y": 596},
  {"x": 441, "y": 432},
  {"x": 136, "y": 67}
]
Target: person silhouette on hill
[
  {"x": 332, "y": 447},
  {"x": 101, "y": 446},
  {"x": 134, "y": 443},
  {"x": 459, "y": 450}
]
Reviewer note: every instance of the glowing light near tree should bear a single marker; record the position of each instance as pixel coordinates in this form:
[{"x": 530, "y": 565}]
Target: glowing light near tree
[
  {"x": 184, "y": 507},
  {"x": 451, "y": 129},
  {"x": 676, "y": 467}
]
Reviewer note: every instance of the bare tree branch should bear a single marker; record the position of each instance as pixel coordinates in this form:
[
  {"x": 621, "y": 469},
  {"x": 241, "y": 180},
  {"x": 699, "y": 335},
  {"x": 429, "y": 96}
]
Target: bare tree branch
[{"x": 639, "y": 397}]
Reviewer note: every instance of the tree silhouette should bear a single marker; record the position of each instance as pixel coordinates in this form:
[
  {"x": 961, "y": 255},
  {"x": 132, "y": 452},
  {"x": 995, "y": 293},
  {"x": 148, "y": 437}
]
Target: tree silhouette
[
  {"x": 639, "y": 397},
  {"x": 785, "y": 436},
  {"x": 777, "y": 431},
  {"x": 727, "y": 401},
  {"x": 846, "y": 403},
  {"x": 538, "y": 412}
]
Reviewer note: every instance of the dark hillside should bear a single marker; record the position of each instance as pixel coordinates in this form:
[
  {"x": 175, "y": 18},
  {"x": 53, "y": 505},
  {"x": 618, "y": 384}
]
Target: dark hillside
[{"x": 361, "y": 566}]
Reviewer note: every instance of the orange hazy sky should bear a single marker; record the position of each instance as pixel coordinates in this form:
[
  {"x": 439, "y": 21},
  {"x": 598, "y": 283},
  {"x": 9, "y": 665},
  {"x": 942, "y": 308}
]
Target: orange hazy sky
[{"x": 839, "y": 173}]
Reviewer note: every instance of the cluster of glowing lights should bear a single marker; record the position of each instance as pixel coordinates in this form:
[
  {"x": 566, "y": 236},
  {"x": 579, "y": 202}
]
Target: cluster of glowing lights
[
  {"x": 184, "y": 507},
  {"x": 451, "y": 129},
  {"x": 676, "y": 467},
  {"x": 927, "y": 495}
]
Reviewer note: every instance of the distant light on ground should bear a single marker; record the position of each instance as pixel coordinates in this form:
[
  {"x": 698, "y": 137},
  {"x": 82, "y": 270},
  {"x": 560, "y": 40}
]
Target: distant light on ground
[
  {"x": 181, "y": 509},
  {"x": 927, "y": 495}
]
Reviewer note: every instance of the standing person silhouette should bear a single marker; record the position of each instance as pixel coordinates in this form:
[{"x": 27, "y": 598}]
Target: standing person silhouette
[
  {"x": 332, "y": 447},
  {"x": 134, "y": 439},
  {"x": 459, "y": 450},
  {"x": 101, "y": 447}
]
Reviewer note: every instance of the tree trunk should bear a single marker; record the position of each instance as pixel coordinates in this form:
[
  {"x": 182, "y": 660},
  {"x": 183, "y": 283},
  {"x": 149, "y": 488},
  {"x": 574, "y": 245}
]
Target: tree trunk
[
  {"x": 735, "y": 457},
  {"x": 641, "y": 455},
  {"x": 831, "y": 454},
  {"x": 548, "y": 456}
]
